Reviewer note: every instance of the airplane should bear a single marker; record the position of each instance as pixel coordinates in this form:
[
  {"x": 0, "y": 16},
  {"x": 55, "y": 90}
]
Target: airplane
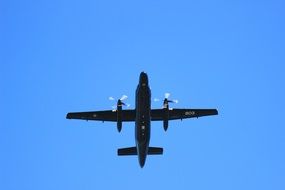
[{"x": 142, "y": 115}]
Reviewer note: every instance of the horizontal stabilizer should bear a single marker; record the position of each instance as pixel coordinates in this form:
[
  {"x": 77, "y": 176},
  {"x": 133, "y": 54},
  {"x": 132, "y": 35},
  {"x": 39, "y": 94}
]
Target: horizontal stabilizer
[
  {"x": 155, "y": 150},
  {"x": 127, "y": 151},
  {"x": 133, "y": 151}
]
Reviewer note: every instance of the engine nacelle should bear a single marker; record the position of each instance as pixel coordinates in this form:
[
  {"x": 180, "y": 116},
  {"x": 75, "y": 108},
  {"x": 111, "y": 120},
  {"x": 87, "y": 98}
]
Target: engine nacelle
[
  {"x": 165, "y": 124},
  {"x": 119, "y": 126},
  {"x": 119, "y": 115},
  {"x": 166, "y": 118}
]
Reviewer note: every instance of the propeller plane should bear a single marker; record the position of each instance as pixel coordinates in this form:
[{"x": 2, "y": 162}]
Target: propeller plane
[{"x": 142, "y": 115}]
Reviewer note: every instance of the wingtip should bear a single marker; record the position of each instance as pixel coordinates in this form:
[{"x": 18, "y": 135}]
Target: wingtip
[{"x": 67, "y": 116}]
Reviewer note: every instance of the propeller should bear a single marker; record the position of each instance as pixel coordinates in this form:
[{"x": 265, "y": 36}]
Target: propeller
[
  {"x": 124, "y": 97},
  {"x": 120, "y": 102},
  {"x": 166, "y": 100},
  {"x": 166, "y": 96}
]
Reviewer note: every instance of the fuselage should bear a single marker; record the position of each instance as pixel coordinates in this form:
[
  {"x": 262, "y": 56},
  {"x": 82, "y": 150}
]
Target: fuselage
[{"x": 143, "y": 117}]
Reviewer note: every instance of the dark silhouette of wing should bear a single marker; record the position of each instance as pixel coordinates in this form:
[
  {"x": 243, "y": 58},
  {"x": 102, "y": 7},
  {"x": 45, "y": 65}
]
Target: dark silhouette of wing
[
  {"x": 160, "y": 114},
  {"x": 106, "y": 115}
]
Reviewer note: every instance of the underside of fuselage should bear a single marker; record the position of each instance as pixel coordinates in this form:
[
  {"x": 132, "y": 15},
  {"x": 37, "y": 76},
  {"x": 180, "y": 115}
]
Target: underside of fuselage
[
  {"x": 142, "y": 124},
  {"x": 143, "y": 109}
]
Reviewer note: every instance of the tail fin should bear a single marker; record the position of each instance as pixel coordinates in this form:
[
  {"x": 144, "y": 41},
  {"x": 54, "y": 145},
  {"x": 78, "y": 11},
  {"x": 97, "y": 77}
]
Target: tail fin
[{"x": 133, "y": 151}]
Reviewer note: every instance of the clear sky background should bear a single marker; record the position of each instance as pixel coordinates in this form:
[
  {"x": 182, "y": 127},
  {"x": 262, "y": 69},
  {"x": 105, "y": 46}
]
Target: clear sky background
[{"x": 58, "y": 56}]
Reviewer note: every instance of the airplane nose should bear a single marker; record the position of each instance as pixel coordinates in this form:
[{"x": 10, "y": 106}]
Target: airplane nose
[{"x": 143, "y": 78}]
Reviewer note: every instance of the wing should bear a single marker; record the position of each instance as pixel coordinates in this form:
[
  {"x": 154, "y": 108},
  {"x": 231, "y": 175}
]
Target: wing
[
  {"x": 158, "y": 114},
  {"x": 107, "y": 115}
]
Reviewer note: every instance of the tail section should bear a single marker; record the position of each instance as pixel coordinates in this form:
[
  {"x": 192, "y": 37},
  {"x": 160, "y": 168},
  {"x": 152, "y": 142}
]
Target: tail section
[
  {"x": 155, "y": 151},
  {"x": 130, "y": 151},
  {"x": 127, "y": 151}
]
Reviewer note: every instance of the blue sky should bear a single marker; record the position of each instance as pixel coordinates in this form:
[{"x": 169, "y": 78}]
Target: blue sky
[{"x": 61, "y": 56}]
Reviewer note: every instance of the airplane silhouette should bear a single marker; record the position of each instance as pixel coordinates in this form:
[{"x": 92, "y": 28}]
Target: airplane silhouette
[{"x": 142, "y": 115}]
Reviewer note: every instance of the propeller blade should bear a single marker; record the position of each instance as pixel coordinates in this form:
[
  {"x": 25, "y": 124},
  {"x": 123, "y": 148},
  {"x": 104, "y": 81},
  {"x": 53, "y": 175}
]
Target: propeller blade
[
  {"x": 172, "y": 101},
  {"x": 120, "y": 102},
  {"x": 175, "y": 101},
  {"x": 166, "y": 95},
  {"x": 124, "y": 97},
  {"x": 111, "y": 98},
  {"x": 156, "y": 100}
]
